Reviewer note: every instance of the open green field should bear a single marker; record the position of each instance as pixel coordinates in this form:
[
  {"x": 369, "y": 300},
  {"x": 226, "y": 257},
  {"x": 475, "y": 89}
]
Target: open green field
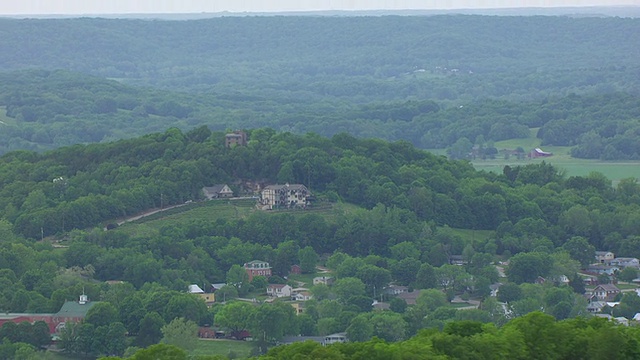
[
  {"x": 614, "y": 170},
  {"x": 469, "y": 235},
  {"x": 241, "y": 349},
  {"x": 220, "y": 209}
]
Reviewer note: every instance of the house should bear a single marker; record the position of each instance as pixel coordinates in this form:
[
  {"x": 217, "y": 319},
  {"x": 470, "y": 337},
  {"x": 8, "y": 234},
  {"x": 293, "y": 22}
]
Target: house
[
  {"x": 302, "y": 296},
  {"x": 621, "y": 320},
  {"x": 217, "y": 191},
  {"x": 380, "y": 306},
  {"x": 295, "y": 269},
  {"x": 409, "y": 297},
  {"x": 335, "y": 338},
  {"x": 206, "y": 332},
  {"x": 457, "y": 260},
  {"x": 605, "y": 292},
  {"x": 324, "y": 280},
  {"x": 395, "y": 289},
  {"x": 624, "y": 262},
  {"x": 596, "y": 306},
  {"x": 279, "y": 290},
  {"x": 257, "y": 268},
  {"x": 236, "y": 138},
  {"x": 284, "y": 196},
  {"x": 604, "y": 257},
  {"x": 602, "y": 269},
  {"x": 208, "y": 298},
  {"x": 217, "y": 286},
  {"x": 195, "y": 289},
  {"x": 324, "y": 340},
  {"x": 590, "y": 281},
  {"x": 298, "y": 307}
]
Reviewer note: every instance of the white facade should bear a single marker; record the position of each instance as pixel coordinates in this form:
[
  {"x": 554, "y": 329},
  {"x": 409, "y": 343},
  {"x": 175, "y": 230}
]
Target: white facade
[
  {"x": 279, "y": 290},
  {"x": 284, "y": 196}
]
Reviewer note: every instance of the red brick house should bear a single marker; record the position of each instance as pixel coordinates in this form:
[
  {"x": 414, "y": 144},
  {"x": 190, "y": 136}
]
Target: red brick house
[{"x": 257, "y": 268}]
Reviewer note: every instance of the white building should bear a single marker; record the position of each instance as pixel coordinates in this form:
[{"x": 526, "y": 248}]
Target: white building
[{"x": 284, "y": 196}]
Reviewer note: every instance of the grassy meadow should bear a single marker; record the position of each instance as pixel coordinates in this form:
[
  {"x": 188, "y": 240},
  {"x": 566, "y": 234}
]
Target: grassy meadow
[
  {"x": 220, "y": 209},
  {"x": 614, "y": 170},
  {"x": 237, "y": 349}
]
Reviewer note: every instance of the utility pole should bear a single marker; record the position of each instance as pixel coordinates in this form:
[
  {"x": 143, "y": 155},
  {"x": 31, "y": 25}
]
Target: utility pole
[{"x": 161, "y": 201}]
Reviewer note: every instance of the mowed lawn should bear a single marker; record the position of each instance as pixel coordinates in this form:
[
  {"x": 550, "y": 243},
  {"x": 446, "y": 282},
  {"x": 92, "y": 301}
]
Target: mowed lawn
[
  {"x": 238, "y": 349},
  {"x": 614, "y": 170},
  {"x": 211, "y": 211}
]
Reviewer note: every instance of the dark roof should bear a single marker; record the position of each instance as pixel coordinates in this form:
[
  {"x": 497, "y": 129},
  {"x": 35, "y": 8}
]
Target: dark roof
[
  {"x": 215, "y": 189},
  {"x": 276, "y": 286},
  {"x": 410, "y": 297},
  {"x": 288, "y": 186},
  {"x": 75, "y": 309},
  {"x": 608, "y": 287}
]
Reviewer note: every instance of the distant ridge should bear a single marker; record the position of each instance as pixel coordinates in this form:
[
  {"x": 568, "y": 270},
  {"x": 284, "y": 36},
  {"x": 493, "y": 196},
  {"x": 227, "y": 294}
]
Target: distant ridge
[{"x": 628, "y": 11}]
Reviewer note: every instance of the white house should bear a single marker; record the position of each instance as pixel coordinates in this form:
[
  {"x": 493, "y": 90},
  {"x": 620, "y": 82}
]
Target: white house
[
  {"x": 395, "y": 289},
  {"x": 302, "y": 296},
  {"x": 624, "y": 262},
  {"x": 279, "y": 290},
  {"x": 335, "y": 338},
  {"x": 195, "y": 289},
  {"x": 217, "y": 191},
  {"x": 604, "y": 257},
  {"x": 284, "y": 196}
]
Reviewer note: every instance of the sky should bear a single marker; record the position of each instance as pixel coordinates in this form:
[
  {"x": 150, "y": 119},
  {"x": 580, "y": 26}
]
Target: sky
[{"x": 75, "y": 7}]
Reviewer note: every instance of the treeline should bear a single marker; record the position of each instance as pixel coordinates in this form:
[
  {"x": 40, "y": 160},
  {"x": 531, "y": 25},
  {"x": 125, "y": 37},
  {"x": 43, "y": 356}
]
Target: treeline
[
  {"x": 535, "y": 336},
  {"x": 49, "y": 109},
  {"x": 464, "y": 56},
  {"x": 85, "y": 185}
]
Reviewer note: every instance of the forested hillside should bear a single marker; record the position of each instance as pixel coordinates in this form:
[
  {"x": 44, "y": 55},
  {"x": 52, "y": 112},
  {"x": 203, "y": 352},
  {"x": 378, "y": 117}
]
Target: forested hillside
[
  {"x": 42, "y": 110},
  {"x": 429, "y": 80},
  {"x": 83, "y": 185},
  {"x": 356, "y": 58},
  {"x": 546, "y": 224}
]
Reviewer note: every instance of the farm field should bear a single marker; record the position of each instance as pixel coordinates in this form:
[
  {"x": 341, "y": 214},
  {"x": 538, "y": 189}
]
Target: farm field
[{"x": 614, "y": 170}]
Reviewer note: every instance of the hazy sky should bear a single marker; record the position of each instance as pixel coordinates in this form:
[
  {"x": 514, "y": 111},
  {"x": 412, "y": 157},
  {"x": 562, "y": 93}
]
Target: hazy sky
[{"x": 13, "y": 7}]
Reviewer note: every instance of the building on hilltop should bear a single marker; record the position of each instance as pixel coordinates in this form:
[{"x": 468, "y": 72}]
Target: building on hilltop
[
  {"x": 284, "y": 196},
  {"x": 236, "y": 138},
  {"x": 257, "y": 268}
]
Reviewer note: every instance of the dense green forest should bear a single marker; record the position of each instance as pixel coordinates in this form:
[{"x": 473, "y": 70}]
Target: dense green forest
[
  {"x": 547, "y": 224},
  {"x": 366, "y": 58},
  {"x": 430, "y": 80},
  {"x": 47, "y": 109},
  {"x": 105, "y": 119}
]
